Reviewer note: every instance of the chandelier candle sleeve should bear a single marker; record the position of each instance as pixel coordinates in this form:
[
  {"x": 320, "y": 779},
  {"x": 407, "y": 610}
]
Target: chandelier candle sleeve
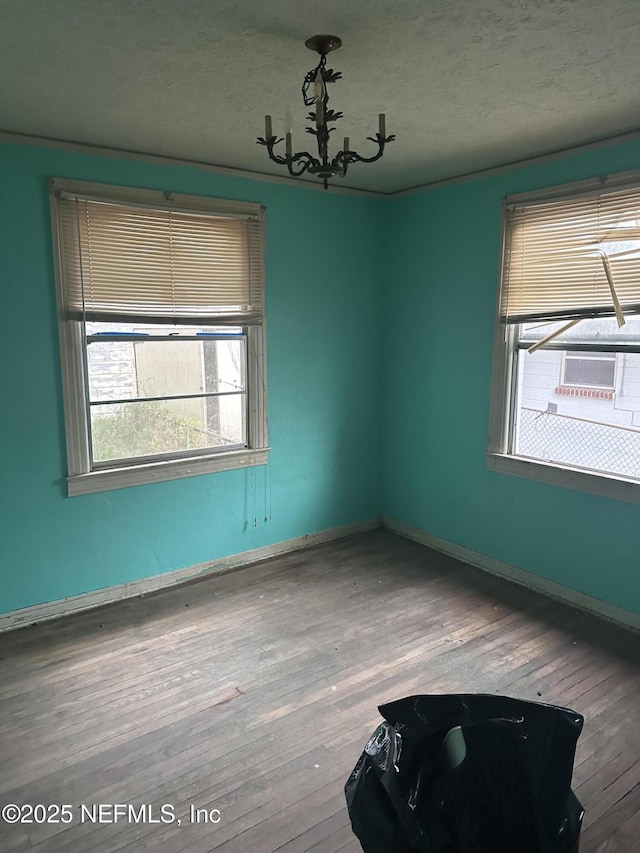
[
  {"x": 382, "y": 122},
  {"x": 268, "y": 131},
  {"x": 345, "y": 145},
  {"x": 289, "y": 145}
]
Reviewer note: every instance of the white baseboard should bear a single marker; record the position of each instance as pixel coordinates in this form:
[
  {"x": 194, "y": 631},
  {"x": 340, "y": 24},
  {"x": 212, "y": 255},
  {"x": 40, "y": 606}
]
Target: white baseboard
[
  {"x": 519, "y": 576},
  {"x": 107, "y": 595}
]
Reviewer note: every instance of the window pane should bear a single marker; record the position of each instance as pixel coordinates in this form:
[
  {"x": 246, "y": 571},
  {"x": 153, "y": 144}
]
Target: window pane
[
  {"x": 595, "y": 370},
  {"x": 587, "y": 427},
  {"x": 127, "y": 369},
  {"x": 600, "y": 330},
  {"x": 129, "y": 430}
]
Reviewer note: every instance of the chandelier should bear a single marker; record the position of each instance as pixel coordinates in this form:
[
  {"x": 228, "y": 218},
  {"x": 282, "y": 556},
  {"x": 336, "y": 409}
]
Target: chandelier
[{"x": 314, "y": 92}]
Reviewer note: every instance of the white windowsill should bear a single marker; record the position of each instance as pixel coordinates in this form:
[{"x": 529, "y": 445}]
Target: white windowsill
[
  {"x": 606, "y": 485},
  {"x": 156, "y": 472}
]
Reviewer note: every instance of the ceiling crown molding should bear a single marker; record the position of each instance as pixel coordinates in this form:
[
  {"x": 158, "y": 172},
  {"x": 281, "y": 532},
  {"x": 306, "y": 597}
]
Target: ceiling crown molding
[
  {"x": 148, "y": 157},
  {"x": 162, "y": 159}
]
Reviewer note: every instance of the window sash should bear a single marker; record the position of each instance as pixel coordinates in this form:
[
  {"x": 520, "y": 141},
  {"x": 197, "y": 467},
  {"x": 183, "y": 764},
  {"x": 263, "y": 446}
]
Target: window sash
[
  {"x": 173, "y": 394},
  {"x": 574, "y": 346},
  {"x": 96, "y": 394},
  {"x": 556, "y": 254},
  {"x": 142, "y": 459},
  {"x": 85, "y": 477}
]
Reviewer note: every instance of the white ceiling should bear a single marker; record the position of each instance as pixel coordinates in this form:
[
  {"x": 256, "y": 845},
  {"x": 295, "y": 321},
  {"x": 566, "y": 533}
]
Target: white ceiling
[{"x": 465, "y": 84}]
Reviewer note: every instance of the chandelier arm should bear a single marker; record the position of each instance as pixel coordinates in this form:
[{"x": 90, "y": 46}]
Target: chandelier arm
[
  {"x": 309, "y": 160},
  {"x": 353, "y": 157}
]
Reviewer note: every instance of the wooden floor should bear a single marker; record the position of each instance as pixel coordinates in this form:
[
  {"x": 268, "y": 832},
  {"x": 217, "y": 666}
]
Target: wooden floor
[{"x": 254, "y": 692}]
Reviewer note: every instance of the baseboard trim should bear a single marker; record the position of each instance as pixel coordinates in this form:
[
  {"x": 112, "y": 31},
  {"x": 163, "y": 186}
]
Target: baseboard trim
[
  {"x": 520, "y": 576},
  {"x": 108, "y": 595}
]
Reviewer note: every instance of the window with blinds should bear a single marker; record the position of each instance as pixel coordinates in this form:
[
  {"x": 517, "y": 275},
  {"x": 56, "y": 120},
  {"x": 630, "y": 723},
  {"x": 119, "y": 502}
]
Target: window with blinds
[
  {"x": 135, "y": 262},
  {"x": 572, "y": 258},
  {"x": 161, "y": 306},
  {"x": 567, "y": 375}
]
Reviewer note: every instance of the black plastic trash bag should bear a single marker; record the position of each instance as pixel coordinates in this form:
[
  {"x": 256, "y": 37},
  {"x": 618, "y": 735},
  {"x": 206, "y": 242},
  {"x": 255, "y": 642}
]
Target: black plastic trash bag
[{"x": 467, "y": 774}]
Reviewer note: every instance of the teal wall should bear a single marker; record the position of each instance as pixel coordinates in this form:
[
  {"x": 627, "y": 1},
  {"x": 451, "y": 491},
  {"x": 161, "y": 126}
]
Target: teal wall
[
  {"x": 324, "y": 364},
  {"x": 379, "y": 377},
  {"x": 439, "y": 314}
]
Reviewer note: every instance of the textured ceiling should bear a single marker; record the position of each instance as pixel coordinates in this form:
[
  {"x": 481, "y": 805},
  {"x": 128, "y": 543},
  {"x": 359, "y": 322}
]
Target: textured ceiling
[{"x": 465, "y": 84}]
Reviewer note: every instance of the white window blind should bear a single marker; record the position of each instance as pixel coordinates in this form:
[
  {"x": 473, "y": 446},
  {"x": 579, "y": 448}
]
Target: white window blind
[
  {"x": 154, "y": 263},
  {"x": 572, "y": 258}
]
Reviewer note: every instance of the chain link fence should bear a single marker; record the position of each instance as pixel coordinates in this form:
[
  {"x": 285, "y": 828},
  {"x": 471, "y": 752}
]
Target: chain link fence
[{"x": 579, "y": 442}]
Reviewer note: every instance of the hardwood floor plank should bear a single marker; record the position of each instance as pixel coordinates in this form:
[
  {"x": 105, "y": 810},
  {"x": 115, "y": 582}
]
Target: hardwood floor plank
[{"x": 626, "y": 814}]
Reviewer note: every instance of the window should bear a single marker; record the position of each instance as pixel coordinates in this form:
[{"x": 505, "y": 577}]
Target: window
[
  {"x": 566, "y": 389},
  {"x": 589, "y": 370},
  {"x": 160, "y": 302}
]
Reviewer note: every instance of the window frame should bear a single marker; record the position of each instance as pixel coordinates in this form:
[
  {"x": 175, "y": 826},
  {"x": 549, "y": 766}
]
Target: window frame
[
  {"x": 82, "y": 478},
  {"x": 499, "y": 456}
]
